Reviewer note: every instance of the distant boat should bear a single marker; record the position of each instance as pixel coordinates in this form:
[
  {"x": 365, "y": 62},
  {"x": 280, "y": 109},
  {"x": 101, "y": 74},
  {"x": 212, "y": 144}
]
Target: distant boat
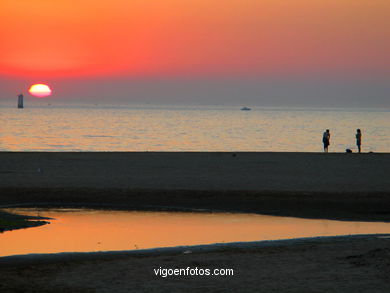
[{"x": 245, "y": 109}]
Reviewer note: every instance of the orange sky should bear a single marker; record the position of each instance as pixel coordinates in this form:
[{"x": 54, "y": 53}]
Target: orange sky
[{"x": 62, "y": 38}]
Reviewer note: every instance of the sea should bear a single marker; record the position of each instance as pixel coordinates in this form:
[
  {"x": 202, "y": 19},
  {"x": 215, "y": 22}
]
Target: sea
[{"x": 95, "y": 127}]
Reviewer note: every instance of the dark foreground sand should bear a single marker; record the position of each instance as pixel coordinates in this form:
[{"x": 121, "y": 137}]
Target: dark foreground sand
[
  {"x": 346, "y": 264},
  {"x": 334, "y": 186}
]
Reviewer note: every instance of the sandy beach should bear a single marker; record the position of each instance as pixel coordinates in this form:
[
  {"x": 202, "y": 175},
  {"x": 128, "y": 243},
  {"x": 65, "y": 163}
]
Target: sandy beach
[
  {"x": 248, "y": 141},
  {"x": 313, "y": 185},
  {"x": 339, "y": 264},
  {"x": 294, "y": 172}
]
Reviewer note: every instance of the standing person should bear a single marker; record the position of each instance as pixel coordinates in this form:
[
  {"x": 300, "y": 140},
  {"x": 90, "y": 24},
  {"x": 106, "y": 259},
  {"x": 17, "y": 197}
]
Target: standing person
[
  {"x": 326, "y": 140},
  {"x": 359, "y": 140}
]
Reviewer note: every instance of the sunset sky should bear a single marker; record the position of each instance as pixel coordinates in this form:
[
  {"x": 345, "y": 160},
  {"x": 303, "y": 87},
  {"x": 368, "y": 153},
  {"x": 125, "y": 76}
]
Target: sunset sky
[{"x": 199, "y": 50}]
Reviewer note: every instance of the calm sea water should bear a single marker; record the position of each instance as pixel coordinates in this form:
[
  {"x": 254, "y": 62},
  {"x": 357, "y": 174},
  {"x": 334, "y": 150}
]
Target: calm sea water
[{"x": 206, "y": 128}]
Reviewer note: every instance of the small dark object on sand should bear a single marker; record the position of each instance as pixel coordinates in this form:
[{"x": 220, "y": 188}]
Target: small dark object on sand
[{"x": 348, "y": 151}]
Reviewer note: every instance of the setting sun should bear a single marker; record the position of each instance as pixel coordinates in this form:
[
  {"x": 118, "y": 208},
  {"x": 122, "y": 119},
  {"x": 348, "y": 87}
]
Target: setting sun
[{"x": 40, "y": 90}]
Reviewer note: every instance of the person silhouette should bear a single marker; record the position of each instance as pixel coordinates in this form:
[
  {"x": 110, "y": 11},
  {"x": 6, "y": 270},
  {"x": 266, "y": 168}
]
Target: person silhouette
[
  {"x": 326, "y": 140},
  {"x": 359, "y": 140}
]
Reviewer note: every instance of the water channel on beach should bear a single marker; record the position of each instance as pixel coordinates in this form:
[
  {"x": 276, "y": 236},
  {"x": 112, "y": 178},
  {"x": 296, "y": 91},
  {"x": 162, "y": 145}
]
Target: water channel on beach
[{"x": 80, "y": 230}]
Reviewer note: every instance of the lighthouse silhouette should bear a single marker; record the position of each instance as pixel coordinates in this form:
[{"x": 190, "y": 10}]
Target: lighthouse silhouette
[{"x": 20, "y": 101}]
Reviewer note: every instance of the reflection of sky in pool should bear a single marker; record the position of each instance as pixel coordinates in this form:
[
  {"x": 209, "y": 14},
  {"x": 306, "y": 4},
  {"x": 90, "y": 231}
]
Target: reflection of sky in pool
[{"x": 102, "y": 230}]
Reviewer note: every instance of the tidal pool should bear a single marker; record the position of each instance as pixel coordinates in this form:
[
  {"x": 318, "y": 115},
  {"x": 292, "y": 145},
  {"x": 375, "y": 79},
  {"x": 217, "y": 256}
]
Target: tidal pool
[{"x": 80, "y": 230}]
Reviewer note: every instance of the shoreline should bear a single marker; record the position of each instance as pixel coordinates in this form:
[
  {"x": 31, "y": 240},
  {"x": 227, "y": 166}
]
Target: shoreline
[
  {"x": 313, "y": 205},
  {"x": 38, "y": 258},
  {"x": 11, "y": 221}
]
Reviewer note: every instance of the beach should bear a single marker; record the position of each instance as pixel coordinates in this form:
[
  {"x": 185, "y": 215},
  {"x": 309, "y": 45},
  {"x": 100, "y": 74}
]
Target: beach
[
  {"x": 312, "y": 185},
  {"x": 247, "y": 141},
  {"x": 336, "y": 264}
]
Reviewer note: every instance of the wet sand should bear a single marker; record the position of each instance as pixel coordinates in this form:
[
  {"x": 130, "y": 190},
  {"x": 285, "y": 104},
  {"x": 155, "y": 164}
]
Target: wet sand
[
  {"x": 340, "y": 264},
  {"x": 288, "y": 172},
  {"x": 9, "y": 221},
  {"x": 313, "y": 185}
]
